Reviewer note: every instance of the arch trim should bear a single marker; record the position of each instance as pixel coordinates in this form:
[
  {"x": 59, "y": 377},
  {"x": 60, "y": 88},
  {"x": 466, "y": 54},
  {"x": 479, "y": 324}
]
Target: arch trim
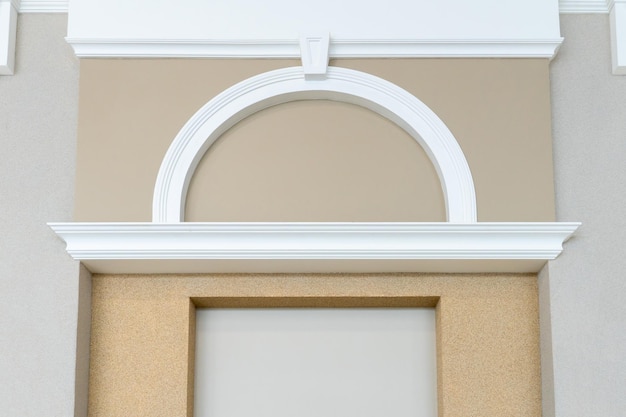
[{"x": 289, "y": 84}]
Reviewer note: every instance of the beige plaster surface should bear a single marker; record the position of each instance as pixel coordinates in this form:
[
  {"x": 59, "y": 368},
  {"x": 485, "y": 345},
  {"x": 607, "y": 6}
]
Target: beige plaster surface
[
  {"x": 315, "y": 161},
  {"x": 487, "y": 334}
]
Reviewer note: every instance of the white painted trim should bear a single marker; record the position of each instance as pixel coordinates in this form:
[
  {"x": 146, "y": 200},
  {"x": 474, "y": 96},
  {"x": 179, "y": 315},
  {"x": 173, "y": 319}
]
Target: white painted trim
[
  {"x": 583, "y": 6},
  {"x": 314, "y": 54},
  {"x": 109, "y": 246},
  {"x": 339, "y": 48},
  {"x": 42, "y": 6},
  {"x": 8, "y": 34},
  {"x": 617, "y": 19},
  {"x": 289, "y": 84}
]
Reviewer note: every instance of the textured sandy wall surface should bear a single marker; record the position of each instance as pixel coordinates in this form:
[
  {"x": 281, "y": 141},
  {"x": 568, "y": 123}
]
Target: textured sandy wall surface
[{"x": 487, "y": 334}]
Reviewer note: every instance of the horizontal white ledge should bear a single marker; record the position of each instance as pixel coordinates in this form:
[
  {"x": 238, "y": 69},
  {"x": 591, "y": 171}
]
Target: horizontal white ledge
[
  {"x": 583, "y": 6},
  {"x": 339, "y": 48},
  {"x": 565, "y": 6},
  {"x": 43, "y": 6},
  {"x": 280, "y": 247}
]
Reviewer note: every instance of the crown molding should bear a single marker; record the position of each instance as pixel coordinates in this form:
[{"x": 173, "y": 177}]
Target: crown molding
[
  {"x": 313, "y": 247},
  {"x": 584, "y": 6},
  {"x": 8, "y": 26},
  {"x": 339, "y": 48},
  {"x": 42, "y": 6},
  {"x": 565, "y": 6},
  {"x": 15, "y": 3}
]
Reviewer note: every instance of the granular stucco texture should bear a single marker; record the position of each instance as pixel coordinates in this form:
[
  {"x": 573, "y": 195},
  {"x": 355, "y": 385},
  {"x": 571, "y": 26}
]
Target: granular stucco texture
[{"x": 487, "y": 332}]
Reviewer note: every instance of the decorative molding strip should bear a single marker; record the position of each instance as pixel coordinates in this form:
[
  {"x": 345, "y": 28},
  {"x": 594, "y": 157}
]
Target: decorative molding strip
[
  {"x": 8, "y": 33},
  {"x": 565, "y": 6},
  {"x": 42, "y": 6},
  {"x": 617, "y": 19},
  {"x": 584, "y": 6},
  {"x": 373, "y": 48},
  {"x": 109, "y": 246},
  {"x": 289, "y": 84},
  {"x": 617, "y": 16}
]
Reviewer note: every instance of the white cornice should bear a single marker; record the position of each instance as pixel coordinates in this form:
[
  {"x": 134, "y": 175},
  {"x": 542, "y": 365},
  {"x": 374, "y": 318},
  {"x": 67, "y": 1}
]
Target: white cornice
[
  {"x": 15, "y": 3},
  {"x": 269, "y": 247},
  {"x": 584, "y": 6},
  {"x": 565, "y": 6},
  {"x": 43, "y": 6},
  {"x": 339, "y": 48}
]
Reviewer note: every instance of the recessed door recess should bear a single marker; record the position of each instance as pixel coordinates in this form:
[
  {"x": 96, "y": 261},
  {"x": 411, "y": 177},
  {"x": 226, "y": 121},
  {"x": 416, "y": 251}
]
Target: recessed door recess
[{"x": 285, "y": 362}]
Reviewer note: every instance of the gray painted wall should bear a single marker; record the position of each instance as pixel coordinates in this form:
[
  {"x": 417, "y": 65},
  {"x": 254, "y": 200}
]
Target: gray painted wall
[
  {"x": 587, "y": 284},
  {"x": 39, "y": 283}
]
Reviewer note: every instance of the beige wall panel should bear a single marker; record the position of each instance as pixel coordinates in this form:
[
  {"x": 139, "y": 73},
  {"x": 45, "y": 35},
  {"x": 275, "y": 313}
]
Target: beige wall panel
[
  {"x": 131, "y": 110},
  {"x": 315, "y": 161},
  {"x": 499, "y": 112},
  {"x": 487, "y": 332}
]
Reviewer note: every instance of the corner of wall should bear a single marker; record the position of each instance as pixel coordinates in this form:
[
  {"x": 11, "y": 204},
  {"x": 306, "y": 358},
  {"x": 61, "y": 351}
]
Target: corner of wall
[
  {"x": 83, "y": 336},
  {"x": 545, "y": 337}
]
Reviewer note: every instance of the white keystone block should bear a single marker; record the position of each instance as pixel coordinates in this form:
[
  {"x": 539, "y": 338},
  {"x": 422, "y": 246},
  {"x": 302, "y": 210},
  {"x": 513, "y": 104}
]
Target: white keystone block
[{"x": 314, "y": 53}]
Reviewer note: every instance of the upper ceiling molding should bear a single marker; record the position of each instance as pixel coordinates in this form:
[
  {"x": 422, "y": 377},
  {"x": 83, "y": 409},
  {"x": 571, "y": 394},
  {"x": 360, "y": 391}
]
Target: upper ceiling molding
[
  {"x": 339, "y": 48},
  {"x": 43, "y": 6},
  {"x": 584, "y": 6},
  {"x": 242, "y": 29},
  {"x": 565, "y": 6}
]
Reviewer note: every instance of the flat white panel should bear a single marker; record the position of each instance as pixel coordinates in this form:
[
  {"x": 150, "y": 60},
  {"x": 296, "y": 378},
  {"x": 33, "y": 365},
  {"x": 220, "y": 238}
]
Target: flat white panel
[
  {"x": 286, "y": 19},
  {"x": 618, "y": 37},
  {"x": 8, "y": 31},
  {"x": 315, "y": 362}
]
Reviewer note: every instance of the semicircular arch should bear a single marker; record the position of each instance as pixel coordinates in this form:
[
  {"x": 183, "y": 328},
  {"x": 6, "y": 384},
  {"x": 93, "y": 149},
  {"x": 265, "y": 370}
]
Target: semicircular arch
[{"x": 289, "y": 84}]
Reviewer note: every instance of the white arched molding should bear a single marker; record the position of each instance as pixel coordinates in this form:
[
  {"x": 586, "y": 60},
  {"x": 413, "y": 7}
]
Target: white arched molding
[{"x": 289, "y": 84}]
